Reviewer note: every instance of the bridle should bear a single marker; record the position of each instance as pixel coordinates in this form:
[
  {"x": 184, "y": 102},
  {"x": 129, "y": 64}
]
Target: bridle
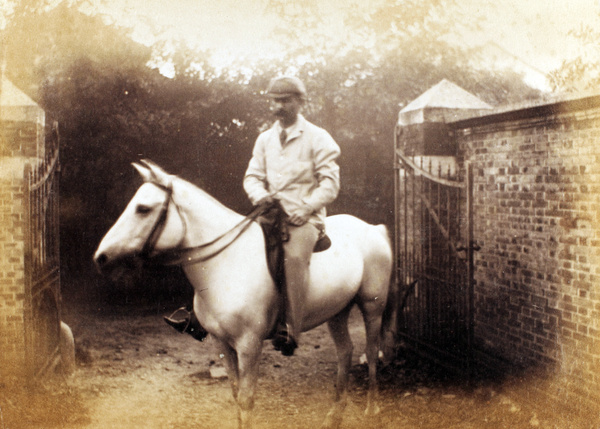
[
  {"x": 161, "y": 220},
  {"x": 195, "y": 254}
]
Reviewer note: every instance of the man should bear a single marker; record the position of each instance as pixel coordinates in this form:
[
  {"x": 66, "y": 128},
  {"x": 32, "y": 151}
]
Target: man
[{"x": 294, "y": 162}]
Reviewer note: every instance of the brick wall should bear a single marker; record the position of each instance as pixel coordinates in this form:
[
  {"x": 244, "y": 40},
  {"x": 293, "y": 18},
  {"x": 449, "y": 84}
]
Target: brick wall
[
  {"x": 536, "y": 211},
  {"x": 16, "y": 139},
  {"x": 12, "y": 297}
]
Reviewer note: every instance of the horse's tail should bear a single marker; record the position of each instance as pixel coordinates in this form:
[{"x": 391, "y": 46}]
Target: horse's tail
[{"x": 389, "y": 325}]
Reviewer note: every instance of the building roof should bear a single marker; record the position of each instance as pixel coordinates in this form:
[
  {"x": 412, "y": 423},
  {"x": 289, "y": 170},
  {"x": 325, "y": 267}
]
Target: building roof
[
  {"x": 13, "y": 96},
  {"x": 446, "y": 95}
]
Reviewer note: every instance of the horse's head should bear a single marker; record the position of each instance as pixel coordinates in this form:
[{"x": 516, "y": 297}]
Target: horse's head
[{"x": 151, "y": 222}]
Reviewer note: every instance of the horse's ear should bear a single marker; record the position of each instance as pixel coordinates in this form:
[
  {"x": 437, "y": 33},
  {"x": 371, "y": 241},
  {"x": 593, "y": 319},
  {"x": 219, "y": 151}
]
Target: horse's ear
[
  {"x": 149, "y": 164},
  {"x": 158, "y": 174},
  {"x": 144, "y": 171}
]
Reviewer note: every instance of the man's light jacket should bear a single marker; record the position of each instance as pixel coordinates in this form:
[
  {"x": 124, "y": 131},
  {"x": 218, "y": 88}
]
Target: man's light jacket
[{"x": 302, "y": 171}]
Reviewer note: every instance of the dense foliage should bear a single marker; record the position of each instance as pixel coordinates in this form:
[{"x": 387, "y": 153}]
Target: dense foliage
[{"x": 201, "y": 124}]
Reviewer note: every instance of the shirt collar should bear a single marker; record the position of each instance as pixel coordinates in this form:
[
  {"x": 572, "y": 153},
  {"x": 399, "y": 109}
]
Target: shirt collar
[{"x": 295, "y": 130}]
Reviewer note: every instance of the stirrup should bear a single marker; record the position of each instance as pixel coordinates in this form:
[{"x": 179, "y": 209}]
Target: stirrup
[
  {"x": 188, "y": 325},
  {"x": 181, "y": 325}
]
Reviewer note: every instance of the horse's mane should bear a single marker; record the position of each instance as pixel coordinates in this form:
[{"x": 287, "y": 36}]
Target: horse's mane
[{"x": 204, "y": 194}]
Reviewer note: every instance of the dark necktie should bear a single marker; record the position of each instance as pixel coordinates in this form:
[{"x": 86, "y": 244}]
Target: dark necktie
[{"x": 283, "y": 137}]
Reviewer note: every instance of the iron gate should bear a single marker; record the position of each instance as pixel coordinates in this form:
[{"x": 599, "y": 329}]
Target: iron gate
[
  {"x": 434, "y": 258},
  {"x": 42, "y": 275}
]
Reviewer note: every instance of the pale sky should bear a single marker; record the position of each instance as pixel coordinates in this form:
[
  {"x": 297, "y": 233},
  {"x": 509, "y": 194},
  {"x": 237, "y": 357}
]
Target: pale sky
[
  {"x": 534, "y": 30},
  {"x": 229, "y": 28}
]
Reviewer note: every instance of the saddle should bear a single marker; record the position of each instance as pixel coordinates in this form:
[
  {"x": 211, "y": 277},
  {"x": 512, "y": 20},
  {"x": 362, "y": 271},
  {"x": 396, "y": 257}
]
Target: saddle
[{"x": 274, "y": 226}]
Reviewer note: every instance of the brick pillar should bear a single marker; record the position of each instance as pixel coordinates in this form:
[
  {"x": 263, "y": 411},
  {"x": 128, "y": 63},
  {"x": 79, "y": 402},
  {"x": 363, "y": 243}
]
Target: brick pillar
[
  {"x": 12, "y": 275},
  {"x": 22, "y": 141}
]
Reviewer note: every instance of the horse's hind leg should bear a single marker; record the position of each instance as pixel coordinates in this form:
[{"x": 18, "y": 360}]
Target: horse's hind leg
[
  {"x": 372, "y": 312},
  {"x": 338, "y": 327}
]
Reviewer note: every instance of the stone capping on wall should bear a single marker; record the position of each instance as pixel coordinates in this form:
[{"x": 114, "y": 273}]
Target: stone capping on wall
[{"x": 514, "y": 113}]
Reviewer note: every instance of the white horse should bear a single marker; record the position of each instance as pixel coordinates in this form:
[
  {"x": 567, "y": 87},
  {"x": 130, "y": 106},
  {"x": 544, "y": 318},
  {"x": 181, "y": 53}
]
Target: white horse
[{"x": 235, "y": 297}]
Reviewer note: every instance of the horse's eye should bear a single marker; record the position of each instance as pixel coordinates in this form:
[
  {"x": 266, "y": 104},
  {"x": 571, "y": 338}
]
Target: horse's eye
[{"x": 141, "y": 209}]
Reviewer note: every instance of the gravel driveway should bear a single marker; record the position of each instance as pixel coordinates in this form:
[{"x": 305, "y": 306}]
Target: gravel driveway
[{"x": 136, "y": 372}]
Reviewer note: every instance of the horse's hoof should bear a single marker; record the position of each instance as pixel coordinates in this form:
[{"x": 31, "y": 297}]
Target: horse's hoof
[
  {"x": 332, "y": 422},
  {"x": 372, "y": 410}
]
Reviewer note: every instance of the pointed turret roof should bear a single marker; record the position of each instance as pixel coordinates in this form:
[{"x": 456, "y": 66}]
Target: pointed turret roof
[
  {"x": 446, "y": 95},
  {"x": 15, "y": 105},
  {"x": 13, "y": 96}
]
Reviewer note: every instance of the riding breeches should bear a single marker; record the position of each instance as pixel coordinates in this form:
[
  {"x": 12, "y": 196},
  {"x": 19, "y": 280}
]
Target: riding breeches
[{"x": 298, "y": 251}]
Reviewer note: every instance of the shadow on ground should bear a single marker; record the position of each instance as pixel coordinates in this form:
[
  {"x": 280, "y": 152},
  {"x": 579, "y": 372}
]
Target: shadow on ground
[{"x": 135, "y": 372}]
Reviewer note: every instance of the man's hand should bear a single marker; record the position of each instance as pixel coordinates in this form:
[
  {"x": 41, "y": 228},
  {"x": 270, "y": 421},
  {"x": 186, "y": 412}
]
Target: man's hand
[
  {"x": 268, "y": 199},
  {"x": 300, "y": 216}
]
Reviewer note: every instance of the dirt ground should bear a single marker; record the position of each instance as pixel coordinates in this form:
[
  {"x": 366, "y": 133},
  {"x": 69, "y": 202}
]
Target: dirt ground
[{"x": 136, "y": 372}]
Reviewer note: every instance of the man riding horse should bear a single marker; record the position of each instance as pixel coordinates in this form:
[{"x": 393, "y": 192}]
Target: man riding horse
[{"x": 294, "y": 164}]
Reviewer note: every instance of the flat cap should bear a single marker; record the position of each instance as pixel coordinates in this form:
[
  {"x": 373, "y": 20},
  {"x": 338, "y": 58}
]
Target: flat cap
[{"x": 285, "y": 86}]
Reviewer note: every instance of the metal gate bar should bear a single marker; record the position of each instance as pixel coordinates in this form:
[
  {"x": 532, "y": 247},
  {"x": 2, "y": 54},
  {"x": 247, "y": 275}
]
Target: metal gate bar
[
  {"x": 434, "y": 261},
  {"x": 42, "y": 259}
]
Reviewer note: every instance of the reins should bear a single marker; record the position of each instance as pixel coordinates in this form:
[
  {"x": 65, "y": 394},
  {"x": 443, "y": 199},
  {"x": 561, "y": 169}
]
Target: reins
[
  {"x": 191, "y": 255},
  {"x": 203, "y": 252}
]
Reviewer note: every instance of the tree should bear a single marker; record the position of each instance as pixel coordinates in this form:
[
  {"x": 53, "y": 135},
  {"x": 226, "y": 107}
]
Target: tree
[
  {"x": 582, "y": 71},
  {"x": 383, "y": 58},
  {"x": 114, "y": 107}
]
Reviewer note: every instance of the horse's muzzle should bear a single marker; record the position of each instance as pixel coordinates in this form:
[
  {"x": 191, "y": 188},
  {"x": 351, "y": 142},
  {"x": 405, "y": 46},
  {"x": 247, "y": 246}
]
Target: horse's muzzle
[
  {"x": 101, "y": 261},
  {"x": 105, "y": 264},
  {"x": 115, "y": 269}
]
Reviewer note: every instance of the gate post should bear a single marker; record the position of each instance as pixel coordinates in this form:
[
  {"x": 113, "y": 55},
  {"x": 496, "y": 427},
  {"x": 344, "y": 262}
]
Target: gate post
[
  {"x": 30, "y": 327},
  {"x": 12, "y": 273},
  {"x": 470, "y": 269},
  {"x": 21, "y": 140}
]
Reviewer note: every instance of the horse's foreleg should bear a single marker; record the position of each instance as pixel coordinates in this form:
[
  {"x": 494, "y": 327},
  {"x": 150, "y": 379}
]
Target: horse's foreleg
[
  {"x": 372, "y": 312},
  {"x": 248, "y": 361},
  {"x": 338, "y": 327},
  {"x": 230, "y": 361}
]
